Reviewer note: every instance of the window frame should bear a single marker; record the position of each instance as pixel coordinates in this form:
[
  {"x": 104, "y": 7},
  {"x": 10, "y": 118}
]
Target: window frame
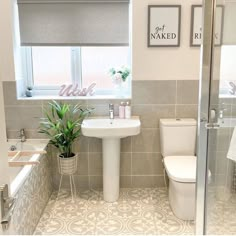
[{"x": 76, "y": 74}]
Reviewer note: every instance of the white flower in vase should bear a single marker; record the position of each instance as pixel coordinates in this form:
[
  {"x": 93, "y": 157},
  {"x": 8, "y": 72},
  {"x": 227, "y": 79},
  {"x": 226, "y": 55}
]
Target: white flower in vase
[
  {"x": 117, "y": 79},
  {"x": 119, "y": 75}
]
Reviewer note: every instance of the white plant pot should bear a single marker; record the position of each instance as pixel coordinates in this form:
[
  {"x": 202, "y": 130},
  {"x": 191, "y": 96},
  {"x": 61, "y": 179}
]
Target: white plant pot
[{"x": 67, "y": 166}]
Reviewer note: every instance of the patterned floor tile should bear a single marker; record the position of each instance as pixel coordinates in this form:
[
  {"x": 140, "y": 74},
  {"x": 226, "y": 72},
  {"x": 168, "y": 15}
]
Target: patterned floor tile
[
  {"x": 137, "y": 212},
  {"x": 221, "y": 216}
]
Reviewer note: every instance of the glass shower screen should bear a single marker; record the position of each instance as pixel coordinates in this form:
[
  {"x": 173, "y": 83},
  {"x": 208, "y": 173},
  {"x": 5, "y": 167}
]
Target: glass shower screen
[{"x": 216, "y": 177}]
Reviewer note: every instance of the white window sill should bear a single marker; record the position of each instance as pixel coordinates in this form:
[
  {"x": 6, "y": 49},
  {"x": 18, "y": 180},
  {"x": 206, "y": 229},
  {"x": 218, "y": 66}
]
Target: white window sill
[
  {"x": 55, "y": 97},
  {"x": 227, "y": 96}
]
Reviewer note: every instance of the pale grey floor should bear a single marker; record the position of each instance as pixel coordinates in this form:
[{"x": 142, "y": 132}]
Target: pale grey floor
[
  {"x": 138, "y": 211},
  {"x": 221, "y": 215}
]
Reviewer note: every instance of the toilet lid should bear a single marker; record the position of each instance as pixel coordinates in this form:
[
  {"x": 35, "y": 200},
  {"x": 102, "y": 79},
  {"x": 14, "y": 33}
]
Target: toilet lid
[{"x": 181, "y": 168}]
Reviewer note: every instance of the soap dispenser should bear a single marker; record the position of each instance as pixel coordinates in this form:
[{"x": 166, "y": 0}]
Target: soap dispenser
[
  {"x": 127, "y": 111},
  {"x": 122, "y": 110}
]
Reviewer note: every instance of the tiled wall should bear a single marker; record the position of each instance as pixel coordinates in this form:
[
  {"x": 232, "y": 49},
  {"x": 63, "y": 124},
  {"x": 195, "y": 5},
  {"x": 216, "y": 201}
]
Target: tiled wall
[
  {"x": 31, "y": 199},
  {"x": 141, "y": 161},
  {"x": 222, "y": 169}
]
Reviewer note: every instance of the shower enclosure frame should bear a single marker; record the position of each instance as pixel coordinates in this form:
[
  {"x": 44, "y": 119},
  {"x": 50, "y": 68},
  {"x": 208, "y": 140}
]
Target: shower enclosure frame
[{"x": 205, "y": 119}]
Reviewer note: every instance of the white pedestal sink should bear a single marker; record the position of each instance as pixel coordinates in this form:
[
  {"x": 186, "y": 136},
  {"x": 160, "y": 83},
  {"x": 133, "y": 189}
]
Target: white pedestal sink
[{"x": 111, "y": 131}]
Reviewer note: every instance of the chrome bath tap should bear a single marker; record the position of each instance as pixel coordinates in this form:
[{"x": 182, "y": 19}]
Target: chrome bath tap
[{"x": 22, "y": 135}]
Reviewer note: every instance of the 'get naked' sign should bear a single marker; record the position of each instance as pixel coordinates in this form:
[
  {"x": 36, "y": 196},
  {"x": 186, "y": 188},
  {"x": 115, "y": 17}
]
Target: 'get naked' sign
[{"x": 164, "y": 25}]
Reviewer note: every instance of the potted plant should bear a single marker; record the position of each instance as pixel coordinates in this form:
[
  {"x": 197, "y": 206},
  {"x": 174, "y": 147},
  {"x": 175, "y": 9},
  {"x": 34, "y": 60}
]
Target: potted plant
[
  {"x": 119, "y": 77},
  {"x": 62, "y": 124},
  {"x": 29, "y": 91}
]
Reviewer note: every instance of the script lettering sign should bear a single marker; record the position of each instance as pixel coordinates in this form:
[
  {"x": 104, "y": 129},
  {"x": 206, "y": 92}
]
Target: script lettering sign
[{"x": 74, "y": 90}]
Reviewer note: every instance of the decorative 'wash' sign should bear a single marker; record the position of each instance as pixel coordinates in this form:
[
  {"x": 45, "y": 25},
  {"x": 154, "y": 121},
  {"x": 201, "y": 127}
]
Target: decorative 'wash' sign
[
  {"x": 164, "y": 25},
  {"x": 196, "y": 25},
  {"x": 73, "y": 90}
]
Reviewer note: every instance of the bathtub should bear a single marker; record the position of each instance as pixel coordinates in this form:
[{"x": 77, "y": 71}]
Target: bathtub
[{"x": 19, "y": 174}]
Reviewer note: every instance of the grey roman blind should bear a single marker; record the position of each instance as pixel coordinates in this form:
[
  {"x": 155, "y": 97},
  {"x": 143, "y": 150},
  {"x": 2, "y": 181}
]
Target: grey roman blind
[{"x": 74, "y": 22}]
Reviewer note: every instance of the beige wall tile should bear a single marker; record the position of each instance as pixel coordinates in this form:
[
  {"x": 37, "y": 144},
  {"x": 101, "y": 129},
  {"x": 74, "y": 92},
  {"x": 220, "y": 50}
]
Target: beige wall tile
[
  {"x": 186, "y": 111},
  {"x": 147, "y": 164},
  {"x": 147, "y": 141},
  {"x": 125, "y": 164},
  {"x": 105, "y": 102},
  {"x": 82, "y": 182},
  {"x": 125, "y": 182},
  {"x": 223, "y": 139},
  {"x": 154, "y": 92},
  {"x": 95, "y": 163},
  {"x": 95, "y": 145},
  {"x": 83, "y": 103},
  {"x": 220, "y": 180},
  {"x": 103, "y": 110},
  {"x": 26, "y": 117},
  {"x": 151, "y": 114},
  {"x": 82, "y": 163},
  {"x": 147, "y": 181},
  {"x": 187, "y": 92},
  {"x": 10, "y": 96},
  {"x": 126, "y": 144},
  {"x": 221, "y": 162},
  {"x": 29, "y": 133},
  {"x": 96, "y": 182},
  {"x": 82, "y": 144}
]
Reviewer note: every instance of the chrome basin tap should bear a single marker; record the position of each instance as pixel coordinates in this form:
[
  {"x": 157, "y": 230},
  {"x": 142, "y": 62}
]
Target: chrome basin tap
[{"x": 111, "y": 111}]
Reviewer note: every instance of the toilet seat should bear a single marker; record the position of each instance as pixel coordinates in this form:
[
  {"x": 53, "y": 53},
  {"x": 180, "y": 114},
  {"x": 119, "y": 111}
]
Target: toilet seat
[{"x": 181, "y": 168}]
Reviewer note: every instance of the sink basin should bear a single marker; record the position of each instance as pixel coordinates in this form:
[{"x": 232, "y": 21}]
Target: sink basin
[
  {"x": 111, "y": 131},
  {"x": 117, "y": 128}
]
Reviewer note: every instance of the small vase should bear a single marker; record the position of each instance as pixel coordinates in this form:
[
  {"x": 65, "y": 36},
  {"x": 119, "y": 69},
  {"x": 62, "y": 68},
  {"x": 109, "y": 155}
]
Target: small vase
[
  {"x": 67, "y": 166},
  {"x": 29, "y": 93},
  {"x": 121, "y": 89}
]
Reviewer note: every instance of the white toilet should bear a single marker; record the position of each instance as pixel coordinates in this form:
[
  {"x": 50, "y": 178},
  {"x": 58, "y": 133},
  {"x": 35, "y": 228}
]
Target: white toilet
[{"x": 178, "y": 141}]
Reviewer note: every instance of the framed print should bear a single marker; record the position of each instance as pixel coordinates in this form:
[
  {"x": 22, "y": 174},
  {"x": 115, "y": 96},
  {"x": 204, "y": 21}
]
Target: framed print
[
  {"x": 164, "y": 25},
  {"x": 196, "y": 25}
]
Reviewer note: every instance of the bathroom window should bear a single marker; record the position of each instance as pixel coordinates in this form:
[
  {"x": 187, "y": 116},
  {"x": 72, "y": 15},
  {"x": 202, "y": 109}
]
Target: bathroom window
[
  {"x": 47, "y": 68},
  {"x": 51, "y": 65}
]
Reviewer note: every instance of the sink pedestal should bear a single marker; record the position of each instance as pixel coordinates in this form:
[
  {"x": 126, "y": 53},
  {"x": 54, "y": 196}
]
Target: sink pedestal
[
  {"x": 111, "y": 133},
  {"x": 111, "y": 169}
]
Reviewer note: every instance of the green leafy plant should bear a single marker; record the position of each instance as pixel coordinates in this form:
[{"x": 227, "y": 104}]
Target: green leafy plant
[{"x": 62, "y": 124}]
